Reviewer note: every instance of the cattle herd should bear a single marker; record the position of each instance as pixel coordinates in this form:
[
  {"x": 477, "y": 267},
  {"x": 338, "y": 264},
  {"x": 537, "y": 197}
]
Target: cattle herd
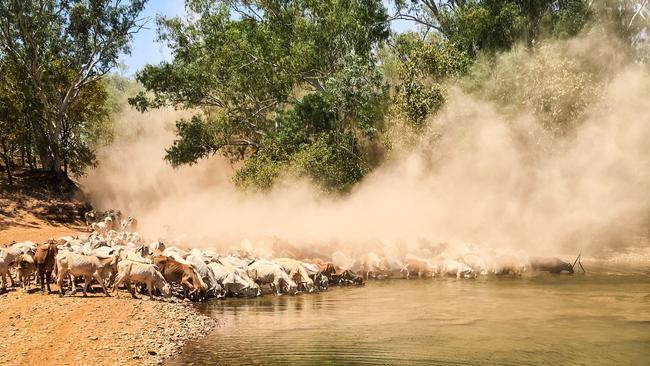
[{"x": 113, "y": 254}]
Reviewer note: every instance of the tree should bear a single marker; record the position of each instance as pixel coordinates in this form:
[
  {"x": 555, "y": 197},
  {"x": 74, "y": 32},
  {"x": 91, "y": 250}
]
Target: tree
[
  {"x": 61, "y": 49},
  {"x": 495, "y": 25},
  {"x": 422, "y": 67},
  {"x": 13, "y": 113},
  {"x": 272, "y": 78},
  {"x": 458, "y": 32}
]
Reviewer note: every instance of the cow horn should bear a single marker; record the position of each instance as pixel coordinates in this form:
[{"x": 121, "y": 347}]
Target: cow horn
[{"x": 577, "y": 259}]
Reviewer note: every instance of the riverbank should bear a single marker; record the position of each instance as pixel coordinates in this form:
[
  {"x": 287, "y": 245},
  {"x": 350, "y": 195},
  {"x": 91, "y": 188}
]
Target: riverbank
[{"x": 52, "y": 330}]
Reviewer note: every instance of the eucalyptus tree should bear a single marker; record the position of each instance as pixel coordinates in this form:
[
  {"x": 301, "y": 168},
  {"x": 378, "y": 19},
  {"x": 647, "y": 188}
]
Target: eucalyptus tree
[
  {"x": 282, "y": 85},
  {"x": 60, "y": 50}
]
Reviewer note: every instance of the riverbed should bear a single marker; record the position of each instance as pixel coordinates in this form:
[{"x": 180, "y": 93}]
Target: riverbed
[{"x": 592, "y": 319}]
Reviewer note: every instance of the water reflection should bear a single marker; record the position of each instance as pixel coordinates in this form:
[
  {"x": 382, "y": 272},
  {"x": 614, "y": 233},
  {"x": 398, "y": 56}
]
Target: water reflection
[{"x": 593, "y": 319}]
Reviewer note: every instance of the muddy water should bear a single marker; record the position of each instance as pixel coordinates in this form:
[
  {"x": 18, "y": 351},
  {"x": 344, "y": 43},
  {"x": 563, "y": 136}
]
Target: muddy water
[{"x": 541, "y": 320}]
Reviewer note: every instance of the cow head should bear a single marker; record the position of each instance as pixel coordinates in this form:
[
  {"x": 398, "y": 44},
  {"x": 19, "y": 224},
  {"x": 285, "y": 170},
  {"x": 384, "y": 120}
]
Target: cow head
[
  {"x": 321, "y": 281},
  {"x": 166, "y": 290},
  {"x": 235, "y": 282},
  {"x": 289, "y": 286},
  {"x": 160, "y": 261}
]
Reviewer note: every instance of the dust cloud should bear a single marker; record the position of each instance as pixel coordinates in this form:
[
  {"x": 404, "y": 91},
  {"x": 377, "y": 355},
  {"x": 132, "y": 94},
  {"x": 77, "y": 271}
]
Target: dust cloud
[{"x": 492, "y": 177}]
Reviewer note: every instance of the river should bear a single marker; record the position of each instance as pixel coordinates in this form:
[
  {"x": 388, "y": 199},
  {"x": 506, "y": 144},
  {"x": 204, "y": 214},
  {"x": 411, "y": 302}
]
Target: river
[{"x": 592, "y": 319}]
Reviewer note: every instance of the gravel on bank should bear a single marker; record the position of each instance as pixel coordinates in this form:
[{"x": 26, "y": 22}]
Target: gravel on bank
[{"x": 96, "y": 330}]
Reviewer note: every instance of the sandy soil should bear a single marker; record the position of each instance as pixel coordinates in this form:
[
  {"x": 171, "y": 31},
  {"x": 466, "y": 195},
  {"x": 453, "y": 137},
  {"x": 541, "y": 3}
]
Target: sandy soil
[
  {"x": 51, "y": 330},
  {"x": 73, "y": 330},
  {"x": 36, "y": 230}
]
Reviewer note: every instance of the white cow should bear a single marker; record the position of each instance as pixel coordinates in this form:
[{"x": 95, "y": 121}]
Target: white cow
[
  {"x": 7, "y": 258},
  {"x": 149, "y": 274},
  {"x": 133, "y": 255},
  {"x": 482, "y": 263},
  {"x": 296, "y": 272},
  {"x": 205, "y": 273},
  {"x": 88, "y": 266},
  {"x": 320, "y": 280},
  {"x": 104, "y": 252},
  {"x": 24, "y": 247},
  {"x": 451, "y": 267},
  {"x": 101, "y": 228},
  {"x": 234, "y": 262},
  {"x": 228, "y": 278},
  {"x": 371, "y": 265},
  {"x": 419, "y": 265},
  {"x": 176, "y": 253},
  {"x": 25, "y": 265},
  {"x": 157, "y": 247},
  {"x": 273, "y": 274}
]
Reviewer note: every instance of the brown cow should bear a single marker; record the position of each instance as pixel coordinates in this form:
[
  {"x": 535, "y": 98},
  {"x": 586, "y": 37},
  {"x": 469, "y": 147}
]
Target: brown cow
[
  {"x": 338, "y": 274},
  {"x": 183, "y": 274},
  {"x": 44, "y": 259}
]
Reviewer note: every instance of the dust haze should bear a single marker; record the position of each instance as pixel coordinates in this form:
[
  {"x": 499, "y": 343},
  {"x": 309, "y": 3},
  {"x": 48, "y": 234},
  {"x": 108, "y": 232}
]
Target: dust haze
[{"x": 493, "y": 177}]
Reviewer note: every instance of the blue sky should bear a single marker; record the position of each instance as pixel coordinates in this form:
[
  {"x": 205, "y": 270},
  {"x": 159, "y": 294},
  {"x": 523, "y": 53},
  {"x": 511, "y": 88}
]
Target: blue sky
[{"x": 145, "y": 49}]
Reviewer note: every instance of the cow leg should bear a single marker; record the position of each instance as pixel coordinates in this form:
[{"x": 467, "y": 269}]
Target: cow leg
[
  {"x": 85, "y": 285},
  {"x": 11, "y": 278},
  {"x": 60, "y": 276},
  {"x": 101, "y": 282},
  {"x": 150, "y": 288},
  {"x": 48, "y": 277},
  {"x": 70, "y": 281},
  {"x": 131, "y": 290},
  {"x": 118, "y": 282},
  {"x": 185, "y": 283}
]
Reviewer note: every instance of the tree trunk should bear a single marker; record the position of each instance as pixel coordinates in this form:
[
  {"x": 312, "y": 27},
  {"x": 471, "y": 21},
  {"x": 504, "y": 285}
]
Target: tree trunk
[
  {"x": 5, "y": 157},
  {"x": 29, "y": 146},
  {"x": 47, "y": 163},
  {"x": 30, "y": 159}
]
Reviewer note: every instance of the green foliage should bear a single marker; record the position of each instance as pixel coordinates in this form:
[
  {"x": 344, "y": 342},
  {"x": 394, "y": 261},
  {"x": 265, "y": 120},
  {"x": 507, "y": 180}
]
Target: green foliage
[
  {"x": 316, "y": 138},
  {"x": 555, "y": 87},
  {"x": 487, "y": 26},
  {"x": 332, "y": 164},
  {"x": 330, "y": 161},
  {"x": 496, "y": 25},
  {"x": 60, "y": 51},
  {"x": 87, "y": 125},
  {"x": 271, "y": 78},
  {"x": 464, "y": 31},
  {"x": 422, "y": 68}
]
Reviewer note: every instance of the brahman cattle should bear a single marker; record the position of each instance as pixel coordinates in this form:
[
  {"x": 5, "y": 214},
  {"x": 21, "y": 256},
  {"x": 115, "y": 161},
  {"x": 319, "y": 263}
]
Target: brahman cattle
[
  {"x": 137, "y": 272},
  {"x": 45, "y": 260},
  {"x": 87, "y": 266},
  {"x": 182, "y": 274}
]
